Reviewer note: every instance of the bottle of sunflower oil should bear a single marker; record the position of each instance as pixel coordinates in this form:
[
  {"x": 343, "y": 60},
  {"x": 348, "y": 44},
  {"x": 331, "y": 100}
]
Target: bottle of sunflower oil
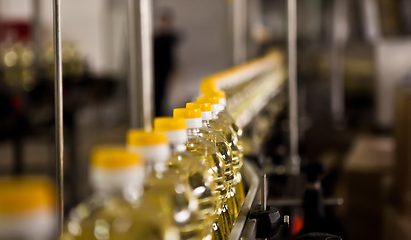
[
  {"x": 116, "y": 210},
  {"x": 165, "y": 188},
  {"x": 206, "y": 116},
  {"x": 209, "y": 88},
  {"x": 196, "y": 132},
  {"x": 27, "y": 208},
  {"x": 224, "y": 117},
  {"x": 191, "y": 168}
]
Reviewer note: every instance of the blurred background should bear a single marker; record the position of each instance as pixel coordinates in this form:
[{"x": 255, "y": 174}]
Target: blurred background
[{"x": 354, "y": 76}]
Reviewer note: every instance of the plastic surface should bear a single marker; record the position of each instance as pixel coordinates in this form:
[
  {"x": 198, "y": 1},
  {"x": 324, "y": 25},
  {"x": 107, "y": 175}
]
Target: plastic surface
[{"x": 268, "y": 221}]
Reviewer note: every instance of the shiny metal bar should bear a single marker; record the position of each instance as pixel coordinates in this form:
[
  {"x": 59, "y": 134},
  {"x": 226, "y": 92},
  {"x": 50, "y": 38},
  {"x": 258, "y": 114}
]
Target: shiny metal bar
[
  {"x": 250, "y": 230},
  {"x": 58, "y": 108},
  {"x": 264, "y": 192},
  {"x": 37, "y": 35},
  {"x": 141, "y": 63},
  {"x": 337, "y": 49},
  {"x": 251, "y": 177},
  {"x": 239, "y": 31},
  {"x": 294, "y": 202},
  {"x": 132, "y": 68},
  {"x": 293, "y": 164}
]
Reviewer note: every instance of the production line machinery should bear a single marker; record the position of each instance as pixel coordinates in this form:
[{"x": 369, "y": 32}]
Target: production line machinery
[{"x": 257, "y": 98}]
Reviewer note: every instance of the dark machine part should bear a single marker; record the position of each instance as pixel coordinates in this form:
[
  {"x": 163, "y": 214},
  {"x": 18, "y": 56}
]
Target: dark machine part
[
  {"x": 318, "y": 236},
  {"x": 313, "y": 199},
  {"x": 313, "y": 204},
  {"x": 269, "y": 221}
]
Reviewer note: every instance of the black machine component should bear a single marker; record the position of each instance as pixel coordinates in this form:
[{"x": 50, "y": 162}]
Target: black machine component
[
  {"x": 269, "y": 221},
  {"x": 318, "y": 236}
]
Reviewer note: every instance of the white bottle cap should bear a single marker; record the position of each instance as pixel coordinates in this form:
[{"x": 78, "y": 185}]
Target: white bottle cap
[
  {"x": 108, "y": 179},
  {"x": 27, "y": 208},
  {"x": 153, "y": 146},
  {"x": 114, "y": 168},
  {"x": 174, "y": 128},
  {"x": 152, "y": 153},
  {"x": 36, "y": 224},
  {"x": 194, "y": 122},
  {"x": 192, "y": 116},
  {"x": 177, "y": 136},
  {"x": 223, "y": 102}
]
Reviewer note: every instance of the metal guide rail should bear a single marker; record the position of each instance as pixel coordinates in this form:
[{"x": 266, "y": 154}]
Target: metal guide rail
[{"x": 243, "y": 226}]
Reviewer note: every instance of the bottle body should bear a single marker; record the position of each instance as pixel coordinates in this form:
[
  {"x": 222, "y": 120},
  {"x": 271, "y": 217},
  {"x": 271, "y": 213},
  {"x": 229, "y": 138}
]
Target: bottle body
[
  {"x": 231, "y": 136},
  {"x": 228, "y": 120},
  {"x": 168, "y": 191},
  {"x": 212, "y": 159},
  {"x": 224, "y": 148},
  {"x": 111, "y": 216},
  {"x": 201, "y": 182},
  {"x": 224, "y": 117}
]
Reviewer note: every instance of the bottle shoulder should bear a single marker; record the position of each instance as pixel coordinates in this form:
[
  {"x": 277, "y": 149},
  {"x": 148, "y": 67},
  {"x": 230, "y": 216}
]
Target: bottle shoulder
[
  {"x": 222, "y": 126},
  {"x": 97, "y": 213},
  {"x": 185, "y": 160},
  {"x": 212, "y": 135},
  {"x": 97, "y": 206},
  {"x": 228, "y": 119}
]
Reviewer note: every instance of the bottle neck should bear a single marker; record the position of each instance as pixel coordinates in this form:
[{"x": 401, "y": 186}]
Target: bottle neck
[
  {"x": 153, "y": 167},
  {"x": 193, "y": 131},
  {"x": 107, "y": 193},
  {"x": 107, "y": 183},
  {"x": 155, "y": 156},
  {"x": 130, "y": 192},
  {"x": 178, "y": 147},
  {"x": 214, "y": 115},
  {"x": 206, "y": 123}
]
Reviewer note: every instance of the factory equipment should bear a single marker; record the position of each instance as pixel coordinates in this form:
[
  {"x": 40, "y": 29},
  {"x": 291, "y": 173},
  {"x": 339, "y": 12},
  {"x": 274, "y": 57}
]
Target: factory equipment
[{"x": 261, "y": 96}]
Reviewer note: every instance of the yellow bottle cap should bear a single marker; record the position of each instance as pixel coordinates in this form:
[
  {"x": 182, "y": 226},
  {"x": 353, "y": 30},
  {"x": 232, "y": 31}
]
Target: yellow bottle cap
[
  {"x": 164, "y": 124},
  {"x": 186, "y": 113},
  {"x": 137, "y": 137},
  {"x": 218, "y": 94},
  {"x": 19, "y": 194},
  {"x": 204, "y": 107},
  {"x": 209, "y": 85},
  {"x": 211, "y": 100},
  {"x": 113, "y": 157}
]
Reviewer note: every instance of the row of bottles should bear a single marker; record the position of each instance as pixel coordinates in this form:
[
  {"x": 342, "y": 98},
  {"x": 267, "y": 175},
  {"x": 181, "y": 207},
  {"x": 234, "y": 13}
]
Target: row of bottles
[{"x": 181, "y": 181}]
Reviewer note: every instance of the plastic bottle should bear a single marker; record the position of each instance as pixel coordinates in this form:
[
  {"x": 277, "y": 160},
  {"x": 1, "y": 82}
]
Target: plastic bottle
[
  {"x": 27, "y": 208},
  {"x": 116, "y": 209},
  {"x": 165, "y": 188},
  {"x": 196, "y": 132},
  {"x": 209, "y": 88},
  {"x": 190, "y": 168},
  {"x": 207, "y": 118},
  {"x": 225, "y": 117}
]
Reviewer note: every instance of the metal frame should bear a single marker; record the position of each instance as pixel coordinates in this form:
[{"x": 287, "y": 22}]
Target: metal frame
[
  {"x": 239, "y": 31},
  {"x": 58, "y": 107},
  {"x": 242, "y": 223},
  {"x": 140, "y": 65},
  {"x": 293, "y": 165},
  {"x": 337, "y": 53}
]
